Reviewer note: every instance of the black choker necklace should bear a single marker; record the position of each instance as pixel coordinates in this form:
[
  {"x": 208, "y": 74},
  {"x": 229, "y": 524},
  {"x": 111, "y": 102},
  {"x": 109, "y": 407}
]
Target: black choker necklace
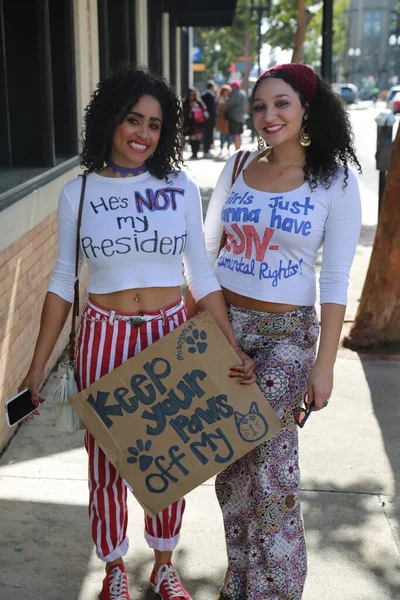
[{"x": 126, "y": 171}]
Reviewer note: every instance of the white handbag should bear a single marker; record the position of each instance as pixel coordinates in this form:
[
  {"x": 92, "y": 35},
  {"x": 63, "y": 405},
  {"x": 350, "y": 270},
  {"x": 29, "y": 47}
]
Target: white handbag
[{"x": 66, "y": 419}]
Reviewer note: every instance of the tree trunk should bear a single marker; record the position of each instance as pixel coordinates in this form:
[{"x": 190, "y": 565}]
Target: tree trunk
[
  {"x": 303, "y": 19},
  {"x": 378, "y": 316}
]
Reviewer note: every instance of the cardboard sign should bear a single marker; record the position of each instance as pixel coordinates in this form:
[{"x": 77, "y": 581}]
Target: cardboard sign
[{"x": 171, "y": 417}]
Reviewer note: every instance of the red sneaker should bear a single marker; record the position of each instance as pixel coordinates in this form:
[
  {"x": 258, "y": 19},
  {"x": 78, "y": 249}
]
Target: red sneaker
[
  {"x": 167, "y": 585},
  {"x": 115, "y": 584}
]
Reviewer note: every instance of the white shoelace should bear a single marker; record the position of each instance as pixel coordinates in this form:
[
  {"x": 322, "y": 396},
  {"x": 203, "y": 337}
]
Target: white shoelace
[
  {"x": 170, "y": 578},
  {"x": 118, "y": 587}
]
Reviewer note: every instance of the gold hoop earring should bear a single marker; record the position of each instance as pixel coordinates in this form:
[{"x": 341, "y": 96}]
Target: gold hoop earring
[
  {"x": 260, "y": 144},
  {"x": 305, "y": 137}
]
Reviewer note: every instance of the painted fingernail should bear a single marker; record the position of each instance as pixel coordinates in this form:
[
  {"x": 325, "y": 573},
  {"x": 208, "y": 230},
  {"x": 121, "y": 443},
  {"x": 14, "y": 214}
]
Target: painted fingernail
[{"x": 35, "y": 403}]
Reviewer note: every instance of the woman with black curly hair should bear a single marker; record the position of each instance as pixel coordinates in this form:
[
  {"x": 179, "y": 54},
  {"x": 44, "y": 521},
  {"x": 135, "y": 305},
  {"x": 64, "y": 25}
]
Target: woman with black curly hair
[
  {"x": 288, "y": 200},
  {"x": 141, "y": 218}
]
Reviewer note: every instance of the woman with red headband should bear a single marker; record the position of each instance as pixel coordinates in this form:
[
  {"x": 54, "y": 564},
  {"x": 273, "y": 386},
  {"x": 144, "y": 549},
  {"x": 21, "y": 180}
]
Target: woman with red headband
[{"x": 289, "y": 198}]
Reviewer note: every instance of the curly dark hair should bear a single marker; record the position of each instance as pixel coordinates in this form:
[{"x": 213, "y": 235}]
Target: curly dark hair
[
  {"x": 110, "y": 103},
  {"x": 332, "y": 140}
]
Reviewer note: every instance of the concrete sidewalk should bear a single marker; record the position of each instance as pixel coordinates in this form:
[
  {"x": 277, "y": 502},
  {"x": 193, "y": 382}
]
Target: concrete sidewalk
[{"x": 350, "y": 458}]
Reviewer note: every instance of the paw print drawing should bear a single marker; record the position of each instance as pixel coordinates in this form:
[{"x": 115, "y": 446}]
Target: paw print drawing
[
  {"x": 196, "y": 341},
  {"x": 145, "y": 461}
]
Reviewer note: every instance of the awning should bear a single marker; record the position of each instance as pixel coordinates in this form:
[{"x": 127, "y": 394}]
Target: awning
[{"x": 206, "y": 13}]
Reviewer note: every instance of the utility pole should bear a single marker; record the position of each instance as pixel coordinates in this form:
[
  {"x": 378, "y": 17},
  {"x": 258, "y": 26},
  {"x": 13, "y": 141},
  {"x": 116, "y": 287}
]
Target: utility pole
[
  {"x": 259, "y": 7},
  {"x": 246, "y": 62},
  {"x": 327, "y": 35}
]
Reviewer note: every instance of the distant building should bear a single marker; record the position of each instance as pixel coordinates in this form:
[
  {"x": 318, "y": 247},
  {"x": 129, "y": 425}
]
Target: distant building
[{"x": 371, "y": 24}]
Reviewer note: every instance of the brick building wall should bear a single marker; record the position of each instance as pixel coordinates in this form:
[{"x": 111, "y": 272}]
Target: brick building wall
[
  {"x": 25, "y": 270},
  {"x": 28, "y": 238}
]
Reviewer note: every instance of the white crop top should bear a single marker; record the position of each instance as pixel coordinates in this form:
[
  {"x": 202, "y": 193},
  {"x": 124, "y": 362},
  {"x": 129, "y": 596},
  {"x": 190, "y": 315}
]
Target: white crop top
[
  {"x": 274, "y": 237},
  {"x": 135, "y": 232}
]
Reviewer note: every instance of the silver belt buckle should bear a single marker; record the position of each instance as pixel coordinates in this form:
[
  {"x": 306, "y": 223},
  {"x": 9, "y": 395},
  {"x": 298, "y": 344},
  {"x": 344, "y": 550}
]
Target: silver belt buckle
[{"x": 136, "y": 321}]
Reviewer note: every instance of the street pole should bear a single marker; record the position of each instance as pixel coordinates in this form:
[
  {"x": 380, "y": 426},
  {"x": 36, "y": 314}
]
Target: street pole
[
  {"x": 327, "y": 35},
  {"x": 259, "y": 10},
  {"x": 259, "y": 14}
]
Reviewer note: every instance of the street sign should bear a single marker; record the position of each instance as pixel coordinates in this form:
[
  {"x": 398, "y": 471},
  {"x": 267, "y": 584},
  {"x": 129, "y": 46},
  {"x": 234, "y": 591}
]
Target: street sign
[{"x": 197, "y": 53}]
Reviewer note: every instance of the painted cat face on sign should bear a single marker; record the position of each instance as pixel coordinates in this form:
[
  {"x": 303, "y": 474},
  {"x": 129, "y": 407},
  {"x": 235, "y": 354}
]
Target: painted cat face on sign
[{"x": 251, "y": 426}]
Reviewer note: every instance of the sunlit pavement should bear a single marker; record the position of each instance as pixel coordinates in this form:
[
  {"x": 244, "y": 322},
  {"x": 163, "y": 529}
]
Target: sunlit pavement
[{"x": 350, "y": 463}]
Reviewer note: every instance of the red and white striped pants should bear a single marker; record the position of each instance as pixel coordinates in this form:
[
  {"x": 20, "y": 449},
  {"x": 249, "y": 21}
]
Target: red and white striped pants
[{"x": 104, "y": 343}]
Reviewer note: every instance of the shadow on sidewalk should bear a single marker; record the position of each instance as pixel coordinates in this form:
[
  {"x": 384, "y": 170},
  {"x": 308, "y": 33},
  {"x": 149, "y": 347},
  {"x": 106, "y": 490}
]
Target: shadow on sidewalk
[
  {"x": 45, "y": 549},
  {"x": 341, "y": 523},
  {"x": 383, "y": 378}
]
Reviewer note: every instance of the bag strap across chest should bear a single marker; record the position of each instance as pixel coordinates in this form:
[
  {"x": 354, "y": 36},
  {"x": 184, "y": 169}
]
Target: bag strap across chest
[
  {"x": 238, "y": 166},
  {"x": 75, "y": 308}
]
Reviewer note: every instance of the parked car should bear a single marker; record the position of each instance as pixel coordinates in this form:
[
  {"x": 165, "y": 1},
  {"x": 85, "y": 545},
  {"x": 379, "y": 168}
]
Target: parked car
[
  {"x": 392, "y": 98},
  {"x": 348, "y": 92}
]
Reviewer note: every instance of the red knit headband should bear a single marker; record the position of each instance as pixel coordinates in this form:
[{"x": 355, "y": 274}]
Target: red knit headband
[{"x": 304, "y": 76}]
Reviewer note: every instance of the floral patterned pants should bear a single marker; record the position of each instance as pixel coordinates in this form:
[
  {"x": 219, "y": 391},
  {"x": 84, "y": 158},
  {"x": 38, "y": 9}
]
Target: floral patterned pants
[{"x": 259, "y": 493}]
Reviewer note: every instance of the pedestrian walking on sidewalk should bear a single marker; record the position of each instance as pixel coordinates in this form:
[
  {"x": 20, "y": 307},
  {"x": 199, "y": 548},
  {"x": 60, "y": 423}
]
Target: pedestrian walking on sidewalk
[
  {"x": 222, "y": 121},
  {"x": 236, "y": 112},
  {"x": 209, "y": 100},
  {"x": 195, "y": 116},
  {"x": 286, "y": 201},
  {"x": 141, "y": 218}
]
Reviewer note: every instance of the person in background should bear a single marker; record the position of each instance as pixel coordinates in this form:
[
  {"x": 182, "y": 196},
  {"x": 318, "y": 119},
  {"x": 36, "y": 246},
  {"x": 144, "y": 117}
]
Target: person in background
[
  {"x": 209, "y": 100},
  {"x": 195, "y": 115},
  {"x": 132, "y": 150},
  {"x": 222, "y": 121},
  {"x": 236, "y": 112},
  {"x": 290, "y": 198}
]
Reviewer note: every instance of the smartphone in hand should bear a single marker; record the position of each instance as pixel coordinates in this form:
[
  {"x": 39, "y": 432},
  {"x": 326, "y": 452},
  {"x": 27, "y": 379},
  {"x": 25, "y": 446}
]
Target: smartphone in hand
[{"x": 19, "y": 407}]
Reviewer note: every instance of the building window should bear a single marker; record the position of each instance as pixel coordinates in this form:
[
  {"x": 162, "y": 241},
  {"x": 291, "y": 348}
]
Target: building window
[
  {"x": 117, "y": 34},
  {"x": 38, "y": 127},
  {"x": 372, "y": 24}
]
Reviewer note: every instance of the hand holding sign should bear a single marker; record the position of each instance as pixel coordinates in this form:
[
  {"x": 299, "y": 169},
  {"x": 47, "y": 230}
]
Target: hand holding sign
[{"x": 170, "y": 418}]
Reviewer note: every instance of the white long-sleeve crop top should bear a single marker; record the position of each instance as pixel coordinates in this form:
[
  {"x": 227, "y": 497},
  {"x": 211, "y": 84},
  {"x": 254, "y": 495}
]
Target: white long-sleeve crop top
[
  {"x": 274, "y": 237},
  {"x": 135, "y": 232}
]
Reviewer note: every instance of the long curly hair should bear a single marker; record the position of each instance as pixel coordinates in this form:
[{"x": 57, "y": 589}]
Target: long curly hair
[
  {"x": 332, "y": 140},
  {"x": 110, "y": 103}
]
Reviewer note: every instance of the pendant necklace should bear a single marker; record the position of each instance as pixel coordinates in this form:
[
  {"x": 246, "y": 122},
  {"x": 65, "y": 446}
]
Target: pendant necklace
[
  {"x": 280, "y": 171},
  {"x": 126, "y": 171},
  {"x": 137, "y": 298}
]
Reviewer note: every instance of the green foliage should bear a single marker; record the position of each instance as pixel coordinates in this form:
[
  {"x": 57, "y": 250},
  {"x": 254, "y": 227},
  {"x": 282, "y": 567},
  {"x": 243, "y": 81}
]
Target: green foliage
[
  {"x": 283, "y": 25},
  {"x": 340, "y": 34},
  {"x": 281, "y": 32},
  {"x": 230, "y": 39}
]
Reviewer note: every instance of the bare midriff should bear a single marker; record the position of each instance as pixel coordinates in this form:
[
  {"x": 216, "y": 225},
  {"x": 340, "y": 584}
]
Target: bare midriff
[
  {"x": 139, "y": 299},
  {"x": 258, "y": 305}
]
